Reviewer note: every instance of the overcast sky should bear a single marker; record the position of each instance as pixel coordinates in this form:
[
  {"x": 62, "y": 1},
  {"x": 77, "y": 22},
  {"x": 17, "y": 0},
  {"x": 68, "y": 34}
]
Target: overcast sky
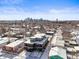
[{"x": 47, "y": 9}]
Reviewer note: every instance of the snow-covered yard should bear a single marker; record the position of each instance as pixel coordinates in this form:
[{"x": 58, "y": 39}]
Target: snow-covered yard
[{"x": 26, "y": 55}]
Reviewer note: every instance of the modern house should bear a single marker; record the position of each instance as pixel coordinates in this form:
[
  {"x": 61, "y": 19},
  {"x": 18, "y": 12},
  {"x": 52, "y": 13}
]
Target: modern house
[{"x": 37, "y": 42}]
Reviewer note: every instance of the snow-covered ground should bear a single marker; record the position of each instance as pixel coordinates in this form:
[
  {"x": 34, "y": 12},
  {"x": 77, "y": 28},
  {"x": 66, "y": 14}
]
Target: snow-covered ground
[{"x": 26, "y": 55}]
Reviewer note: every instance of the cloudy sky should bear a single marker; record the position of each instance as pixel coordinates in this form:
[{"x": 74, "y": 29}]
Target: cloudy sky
[{"x": 47, "y": 9}]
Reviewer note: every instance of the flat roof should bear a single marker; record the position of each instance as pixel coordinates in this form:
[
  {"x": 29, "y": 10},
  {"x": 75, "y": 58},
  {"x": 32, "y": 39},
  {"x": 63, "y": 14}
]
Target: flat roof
[
  {"x": 13, "y": 44},
  {"x": 11, "y": 33},
  {"x": 3, "y": 41},
  {"x": 76, "y": 48},
  {"x": 39, "y": 35},
  {"x": 38, "y": 42},
  {"x": 75, "y": 32},
  {"x": 72, "y": 42},
  {"x": 71, "y": 49},
  {"x": 58, "y": 51},
  {"x": 50, "y": 32},
  {"x": 57, "y": 42},
  {"x": 10, "y": 38}
]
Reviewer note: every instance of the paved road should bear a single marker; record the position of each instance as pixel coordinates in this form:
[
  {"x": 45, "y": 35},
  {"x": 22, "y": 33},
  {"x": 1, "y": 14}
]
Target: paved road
[
  {"x": 26, "y": 55},
  {"x": 40, "y": 55}
]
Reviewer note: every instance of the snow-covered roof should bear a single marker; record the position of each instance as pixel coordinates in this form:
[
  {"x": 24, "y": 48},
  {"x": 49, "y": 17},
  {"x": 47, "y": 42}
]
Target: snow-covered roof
[
  {"x": 16, "y": 43},
  {"x": 58, "y": 51},
  {"x": 75, "y": 32},
  {"x": 39, "y": 35},
  {"x": 3, "y": 41},
  {"x": 76, "y": 48},
  {"x": 17, "y": 29},
  {"x": 57, "y": 42},
  {"x": 37, "y": 27},
  {"x": 73, "y": 38},
  {"x": 70, "y": 49},
  {"x": 37, "y": 42},
  {"x": 38, "y": 39},
  {"x": 72, "y": 42},
  {"x": 12, "y": 38},
  {"x": 11, "y": 33},
  {"x": 50, "y": 32}
]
